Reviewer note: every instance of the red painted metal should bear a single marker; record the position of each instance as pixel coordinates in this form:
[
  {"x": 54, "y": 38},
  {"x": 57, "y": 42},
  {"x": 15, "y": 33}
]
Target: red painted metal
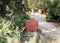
[
  {"x": 41, "y": 11},
  {"x": 31, "y": 25}
]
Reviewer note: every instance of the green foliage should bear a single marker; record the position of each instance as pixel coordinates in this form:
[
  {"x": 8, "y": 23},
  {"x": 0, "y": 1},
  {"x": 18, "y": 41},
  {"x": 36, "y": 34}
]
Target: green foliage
[
  {"x": 52, "y": 8},
  {"x": 5, "y": 27},
  {"x": 8, "y": 27},
  {"x": 2, "y": 39},
  {"x": 5, "y": 30},
  {"x": 8, "y": 6},
  {"x": 20, "y": 19},
  {"x": 16, "y": 6},
  {"x": 32, "y": 4},
  {"x": 13, "y": 23}
]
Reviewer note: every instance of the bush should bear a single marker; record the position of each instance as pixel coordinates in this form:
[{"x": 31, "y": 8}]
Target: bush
[
  {"x": 2, "y": 39},
  {"x": 8, "y": 27},
  {"x": 52, "y": 8},
  {"x": 14, "y": 22}
]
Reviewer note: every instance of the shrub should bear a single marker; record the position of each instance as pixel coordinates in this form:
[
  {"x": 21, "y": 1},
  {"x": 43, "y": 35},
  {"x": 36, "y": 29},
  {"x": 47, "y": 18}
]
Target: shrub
[
  {"x": 52, "y": 8},
  {"x": 8, "y": 27}
]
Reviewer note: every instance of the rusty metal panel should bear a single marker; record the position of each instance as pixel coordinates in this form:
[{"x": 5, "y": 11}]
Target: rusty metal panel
[{"x": 31, "y": 25}]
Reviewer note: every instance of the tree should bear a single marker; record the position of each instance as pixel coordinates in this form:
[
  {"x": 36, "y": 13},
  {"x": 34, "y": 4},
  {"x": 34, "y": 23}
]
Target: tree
[
  {"x": 32, "y": 4},
  {"x": 52, "y": 9},
  {"x": 13, "y": 24},
  {"x": 15, "y": 5},
  {"x": 3, "y": 7}
]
